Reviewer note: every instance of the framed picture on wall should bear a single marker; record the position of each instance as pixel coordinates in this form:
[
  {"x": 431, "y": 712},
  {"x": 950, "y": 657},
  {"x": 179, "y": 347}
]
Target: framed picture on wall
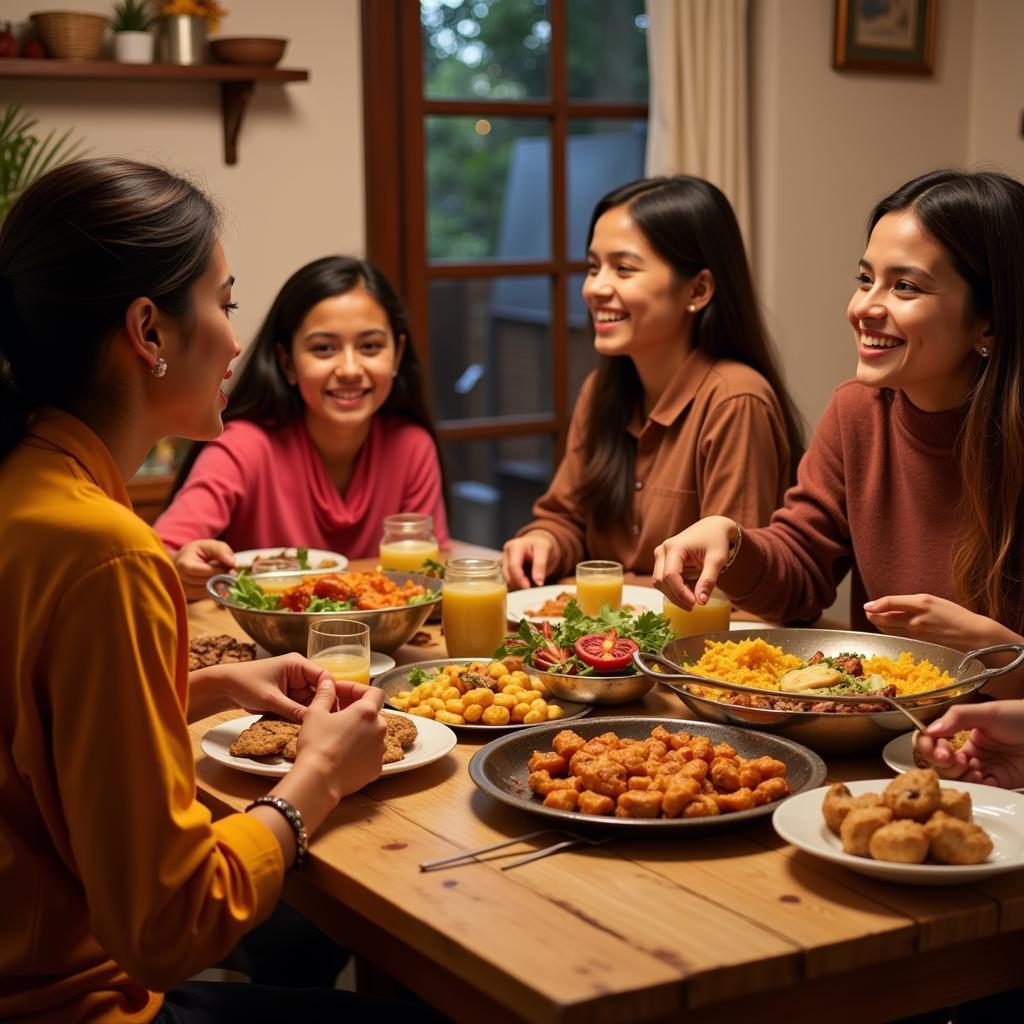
[{"x": 885, "y": 35}]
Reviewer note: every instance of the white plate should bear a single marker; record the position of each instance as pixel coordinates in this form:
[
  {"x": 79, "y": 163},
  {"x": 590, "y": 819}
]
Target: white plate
[
  {"x": 999, "y": 811},
  {"x": 898, "y": 754},
  {"x": 315, "y": 556},
  {"x": 380, "y": 663},
  {"x": 641, "y": 598},
  {"x": 433, "y": 741}
]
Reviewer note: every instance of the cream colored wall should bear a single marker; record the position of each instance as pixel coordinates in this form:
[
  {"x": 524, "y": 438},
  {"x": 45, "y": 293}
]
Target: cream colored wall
[
  {"x": 997, "y": 87},
  {"x": 296, "y": 192}
]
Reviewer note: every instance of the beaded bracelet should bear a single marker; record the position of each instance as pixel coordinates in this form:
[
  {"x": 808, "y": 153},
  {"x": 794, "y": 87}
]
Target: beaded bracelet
[
  {"x": 734, "y": 546},
  {"x": 293, "y": 818}
]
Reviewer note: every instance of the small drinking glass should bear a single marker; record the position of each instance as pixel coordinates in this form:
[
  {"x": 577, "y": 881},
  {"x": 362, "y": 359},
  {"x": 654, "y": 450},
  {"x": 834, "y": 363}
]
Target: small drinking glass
[
  {"x": 342, "y": 647},
  {"x": 407, "y": 542},
  {"x": 712, "y": 617},
  {"x": 598, "y": 583}
]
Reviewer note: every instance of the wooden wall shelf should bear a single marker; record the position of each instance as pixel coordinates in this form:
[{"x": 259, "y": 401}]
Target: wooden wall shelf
[{"x": 237, "y": 82}]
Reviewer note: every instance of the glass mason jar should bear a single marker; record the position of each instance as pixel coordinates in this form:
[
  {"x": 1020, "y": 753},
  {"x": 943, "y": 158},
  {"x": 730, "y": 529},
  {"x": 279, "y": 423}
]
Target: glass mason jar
[
  {"x": 407, "y": 542},
  {"x": 473, "y": 607}
]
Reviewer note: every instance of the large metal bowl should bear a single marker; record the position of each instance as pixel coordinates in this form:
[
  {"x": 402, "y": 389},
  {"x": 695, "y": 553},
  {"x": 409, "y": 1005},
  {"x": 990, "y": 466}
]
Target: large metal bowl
[
  {"x": 828, "y": 733},
  {"x": 596, "y": 689},
  {"x": 281, "y": 631}
]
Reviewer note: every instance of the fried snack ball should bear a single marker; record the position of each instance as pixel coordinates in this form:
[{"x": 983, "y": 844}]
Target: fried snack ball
[
  {"x": 594, "y": 803},
  {"x": 914, "y": 794},
  {"x": 903, "y": 841},
  {"x": 679, "y": 795},
  {"x": 771, "y": 789},
  {"x": 548, "y": 761},
  {"x": 700, "y": 749},
  {"x": 955, "y": 802},
  {"x": 954, "y": 841},
  {"x": 703, "y": 807},
  {"x": 859, "y": 825},
  {"x": 604, "y": 776},
  {"x": 562, "y": 799},
  {"x": 839, "y": 801},
  {"x": 725, "y": 774},
  {"x": 640, "y": 783},
  {"x": 495, "y": 715},
  {"x": 637, "y": 804}
]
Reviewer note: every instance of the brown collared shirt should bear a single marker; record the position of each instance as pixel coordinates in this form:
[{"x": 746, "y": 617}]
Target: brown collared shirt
[{"x": 715, "y": 444}]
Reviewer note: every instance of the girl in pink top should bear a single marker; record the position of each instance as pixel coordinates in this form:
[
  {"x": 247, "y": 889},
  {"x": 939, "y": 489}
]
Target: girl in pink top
[
  {"x": 328, "y": 432},
  {"x": 915, "y": 476}
]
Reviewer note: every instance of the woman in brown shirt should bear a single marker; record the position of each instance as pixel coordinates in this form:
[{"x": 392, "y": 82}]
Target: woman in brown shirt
[{"x": 686, "y": 412}]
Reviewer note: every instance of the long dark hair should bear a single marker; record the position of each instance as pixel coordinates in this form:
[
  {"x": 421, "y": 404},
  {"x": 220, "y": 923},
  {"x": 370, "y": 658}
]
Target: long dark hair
[
  {"x": 263, "y": 394},
  {"x": 76, "y": 249},
  {"x": 978, "y": 218},
  {"x": 691, "y": 226}
]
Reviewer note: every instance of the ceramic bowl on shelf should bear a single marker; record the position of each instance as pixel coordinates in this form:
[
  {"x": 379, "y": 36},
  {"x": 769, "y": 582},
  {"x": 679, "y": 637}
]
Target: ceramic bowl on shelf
[{"x": 264, "y": 51}]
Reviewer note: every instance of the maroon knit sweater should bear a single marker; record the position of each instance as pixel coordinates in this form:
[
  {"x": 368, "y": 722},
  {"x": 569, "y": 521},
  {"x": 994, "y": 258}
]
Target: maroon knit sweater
[{"x": 876, "y": 493}]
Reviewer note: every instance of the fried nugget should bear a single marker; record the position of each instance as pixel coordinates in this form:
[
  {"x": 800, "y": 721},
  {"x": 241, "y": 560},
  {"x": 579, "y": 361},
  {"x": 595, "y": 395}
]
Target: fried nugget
[
  {"x": 859, "y": 825},
  {"x": 639, "y": 804},
  {"x": 953, "y": 841},
  {"x": 401, "y": 729},
  {"x": 903, "y": 842},
  {"x": 956, "y": 802},
  {"x": 914, "y": 794}
]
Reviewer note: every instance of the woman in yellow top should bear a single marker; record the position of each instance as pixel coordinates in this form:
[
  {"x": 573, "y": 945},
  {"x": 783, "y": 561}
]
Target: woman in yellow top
[{"x": 117, "y": 886}]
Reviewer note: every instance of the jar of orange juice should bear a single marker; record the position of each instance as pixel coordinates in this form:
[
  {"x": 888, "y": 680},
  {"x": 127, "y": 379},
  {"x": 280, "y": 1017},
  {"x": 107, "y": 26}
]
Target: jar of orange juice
[
  {"x": 473, "y": 607},
  {"x": 712, "y": 617},
  {"x": 598, "y": 583},
  {"x": 407, "y": 542}
]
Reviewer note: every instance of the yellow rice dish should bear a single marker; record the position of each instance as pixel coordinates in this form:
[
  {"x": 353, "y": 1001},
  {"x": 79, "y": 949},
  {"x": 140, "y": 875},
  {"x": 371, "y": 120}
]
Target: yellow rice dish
[{"x": 760, "y": 664}]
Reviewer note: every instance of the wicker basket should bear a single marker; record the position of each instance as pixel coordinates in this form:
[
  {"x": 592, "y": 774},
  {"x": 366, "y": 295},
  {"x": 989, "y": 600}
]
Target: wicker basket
[{"x": 71, "y": 35}]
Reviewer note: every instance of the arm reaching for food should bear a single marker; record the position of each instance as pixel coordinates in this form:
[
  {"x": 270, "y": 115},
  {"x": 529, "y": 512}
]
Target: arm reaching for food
[
  {"x": 198, "y": 561},
  {"x": 703, "y": 547},
  {"x": 994, "y": 753}
]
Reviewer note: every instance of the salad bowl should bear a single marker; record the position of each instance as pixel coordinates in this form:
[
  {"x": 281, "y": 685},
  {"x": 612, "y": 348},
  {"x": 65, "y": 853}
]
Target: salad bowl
[{"x": 279, "y": 631}]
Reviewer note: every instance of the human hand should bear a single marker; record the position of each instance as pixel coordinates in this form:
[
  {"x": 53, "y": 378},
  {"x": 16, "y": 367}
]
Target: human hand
[
  {"x": 346, "y": 746},
  {"x": 534, "y": 547},
  {"x": 994, "y": 753},
  {"x": 282, "y": 686},
  {"x": 934, "y": 620},
  {"x": 198, "y": 560},
  {"x": 703, "y": 546}
]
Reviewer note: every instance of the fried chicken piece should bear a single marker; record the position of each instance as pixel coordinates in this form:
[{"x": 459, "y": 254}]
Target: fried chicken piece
[
  {"x": 562, "y": 799},
  {"x": 725, "y": 750},
  {"x": 291, "y": 748},
  {"x": 640, "y": 783},
  {"x": 401, "y": 728},
  {"x": 263, "y": 738},
  {"x": 605, "y": 777},
  {"x": 903, "y": 841},
  {"x": 771, "y": 789},
  {"x": 392, "y": 750},
  {"x": 839, "y": 801},
  {"x": 859, "y": 825},
  {"x": 725, "y": 774},
  {"x": 637, "y": 804},
  {"x": 956, "y": 802},
  {"x": 541, "y": 783},
  {"x": 595, "y": 803},
  {"x": 631, "y": 759},
  {"x": 567, "y": 742},
  {"x": 914, "y": 794},
  {"x": 548, "y": 761},
  {"x": 954, "y": 841},
  {"x": 704, "y": 806},
  {"x": 679, "y": 795},
  {"x": 741, "y": 800},
  {"x": 700, "y": 748}
]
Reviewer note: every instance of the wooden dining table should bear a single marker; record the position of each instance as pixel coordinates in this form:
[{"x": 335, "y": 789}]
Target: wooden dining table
[{"x": 735, "y": 926}]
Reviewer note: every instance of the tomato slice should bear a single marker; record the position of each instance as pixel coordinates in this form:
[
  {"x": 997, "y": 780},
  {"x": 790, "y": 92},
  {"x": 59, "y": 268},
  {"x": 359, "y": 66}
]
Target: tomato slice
[{"x": 606, "y": 651}]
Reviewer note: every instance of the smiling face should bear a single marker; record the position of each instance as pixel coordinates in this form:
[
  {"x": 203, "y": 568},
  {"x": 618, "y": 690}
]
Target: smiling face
[
  {"x": 638, "y": 304},
  {"x": 911, "y": 316},
  {"x": 343, "y": 359},
  {"x": 190, "y": 394}
]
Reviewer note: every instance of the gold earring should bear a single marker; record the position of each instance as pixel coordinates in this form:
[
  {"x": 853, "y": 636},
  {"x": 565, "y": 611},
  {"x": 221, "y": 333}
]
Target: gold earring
[{"x": 692, "y": 308}]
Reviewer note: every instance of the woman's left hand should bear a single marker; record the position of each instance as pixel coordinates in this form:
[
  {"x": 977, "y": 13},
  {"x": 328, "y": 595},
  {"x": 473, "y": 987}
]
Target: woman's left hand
[
  {"x": 934, "y": 620},
  {"x": 280, "y": 686}
]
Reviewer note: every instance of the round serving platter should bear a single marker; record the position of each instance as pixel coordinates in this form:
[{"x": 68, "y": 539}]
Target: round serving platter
[{"x": 500, "y": 770}]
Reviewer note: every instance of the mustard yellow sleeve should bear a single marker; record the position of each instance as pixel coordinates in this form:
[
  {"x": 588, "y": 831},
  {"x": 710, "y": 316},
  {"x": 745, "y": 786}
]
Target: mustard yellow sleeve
[{"x": 169, "y": 892}]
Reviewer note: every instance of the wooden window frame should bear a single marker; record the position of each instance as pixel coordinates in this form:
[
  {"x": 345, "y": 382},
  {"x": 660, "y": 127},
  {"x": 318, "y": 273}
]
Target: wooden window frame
[{"x": 395, "y": 111}]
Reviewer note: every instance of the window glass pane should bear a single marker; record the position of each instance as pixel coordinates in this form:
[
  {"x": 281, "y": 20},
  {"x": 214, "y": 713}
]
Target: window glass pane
[
  {"x": 494, "y": 484},
  {"x": 485, "y": 49},
  {"x": 488, "y": 188},
  {"x": 582, "y": 356},
  {"x": 607, "y": 52},
  {"x": 603, "y": 154},
  {"x": 490, "y": 345}
]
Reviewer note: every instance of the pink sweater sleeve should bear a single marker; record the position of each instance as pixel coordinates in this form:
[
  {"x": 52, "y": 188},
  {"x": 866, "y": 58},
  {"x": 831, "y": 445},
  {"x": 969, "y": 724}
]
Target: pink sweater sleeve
[
  {"x": 206, "y": 503},
  {"x": 789, "y": 570}
]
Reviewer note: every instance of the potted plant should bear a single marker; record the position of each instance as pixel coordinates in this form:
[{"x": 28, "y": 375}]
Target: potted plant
[
  {"x": 25, "y": 157},
  {"x": 131, "y": 22}
]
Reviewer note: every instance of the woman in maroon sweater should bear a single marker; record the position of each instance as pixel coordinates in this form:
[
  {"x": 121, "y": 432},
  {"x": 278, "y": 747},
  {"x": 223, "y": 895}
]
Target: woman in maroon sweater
[{"x": 914, "y": 480}]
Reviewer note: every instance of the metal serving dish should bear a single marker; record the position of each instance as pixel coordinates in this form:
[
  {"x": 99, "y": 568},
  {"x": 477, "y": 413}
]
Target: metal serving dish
[
  {"x": 832, "y": 732},
  {"x": 500, "y": 770},
  {"x": 282, "y": 631},
  {"x": 595, "y": 689},
  {"x": 398, "y": 679}
]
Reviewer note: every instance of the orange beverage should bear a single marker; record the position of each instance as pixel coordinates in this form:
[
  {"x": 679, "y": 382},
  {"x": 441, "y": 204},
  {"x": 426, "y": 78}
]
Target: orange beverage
[
  {"x": 344, "y": 663},
  {"x": 407, "y": 541},
  {"x": 597, "y": 584},
  {"x": 473, "y": 607},
  {"x": 712, "y": 617},
  {"x": 408, "y": 555}
]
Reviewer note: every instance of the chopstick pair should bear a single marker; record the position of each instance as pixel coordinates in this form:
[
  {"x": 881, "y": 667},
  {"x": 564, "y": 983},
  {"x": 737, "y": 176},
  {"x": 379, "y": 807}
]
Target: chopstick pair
[{"x": 471, "y": 856}]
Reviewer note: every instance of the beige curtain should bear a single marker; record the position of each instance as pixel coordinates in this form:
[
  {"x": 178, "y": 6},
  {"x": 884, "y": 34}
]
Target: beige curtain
[{"x": 699, "y": 120}]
